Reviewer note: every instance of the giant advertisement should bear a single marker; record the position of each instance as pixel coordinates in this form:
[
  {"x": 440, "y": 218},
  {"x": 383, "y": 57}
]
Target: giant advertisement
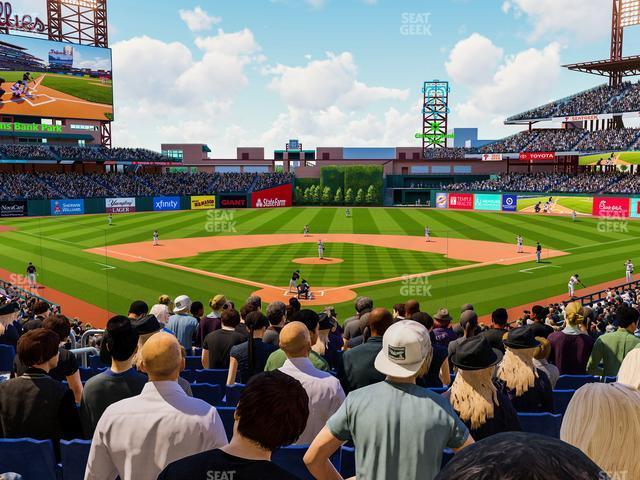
[
  {"x": 67, "y": 207},
  {"x": 491, "y": 202},
  {"x": 44, "y": 78},
  {"x": 120, "y": 205},
  {"x": 13, "y": 209},
  {"x": 203, "y": 202},
  {"x": 461, "y": 201},
  {"x": 281, "y": 196},
  {"x": 611, "y": 207},
  {"x": 163, "y": 204},
  {"x": 232, "y": 201}
]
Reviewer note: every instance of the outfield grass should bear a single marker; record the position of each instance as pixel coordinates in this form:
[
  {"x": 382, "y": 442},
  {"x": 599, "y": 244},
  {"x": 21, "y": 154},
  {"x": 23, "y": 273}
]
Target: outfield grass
[
  {"x": 362, "y": 263},
  {"x": 13, "y": 77},
  {"x": 55, "y": 246},
  {"x": 81, "y": 87}
]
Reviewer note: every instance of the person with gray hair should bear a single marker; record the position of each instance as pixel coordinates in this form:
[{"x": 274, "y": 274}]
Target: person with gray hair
[
  {"x": 255, "y": 301},
  {"x": 277, "y": 316},
  {"x": 352, "y": 326}
]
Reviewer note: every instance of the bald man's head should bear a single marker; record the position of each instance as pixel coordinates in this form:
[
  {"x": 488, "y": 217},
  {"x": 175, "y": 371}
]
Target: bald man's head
[
  {"x": 162, "y": 358},
  {"x": 295, "y": 340}
]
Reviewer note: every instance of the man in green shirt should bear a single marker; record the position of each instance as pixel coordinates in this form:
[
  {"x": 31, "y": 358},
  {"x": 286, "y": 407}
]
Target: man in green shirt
[
  {"x": 611, "y": 348},
  {"x": 398, "y": 428},
  {"x": 312, "y": 320}
]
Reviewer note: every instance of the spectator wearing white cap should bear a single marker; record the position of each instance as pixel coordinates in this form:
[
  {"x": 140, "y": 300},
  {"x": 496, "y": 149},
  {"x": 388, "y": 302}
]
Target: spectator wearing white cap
[
  {"x": 381, "y": 418},
  {"x": 181, "y": 323}
]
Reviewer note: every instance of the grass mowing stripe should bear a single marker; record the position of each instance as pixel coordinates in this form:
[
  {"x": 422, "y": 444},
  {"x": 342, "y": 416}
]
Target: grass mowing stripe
[{"x": 363, "y": 221}]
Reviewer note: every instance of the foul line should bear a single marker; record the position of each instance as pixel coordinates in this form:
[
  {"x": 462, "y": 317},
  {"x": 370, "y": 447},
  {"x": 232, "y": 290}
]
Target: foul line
[
  {"x": 528, "y": 270},
  {"x": 107, "y": 267}
]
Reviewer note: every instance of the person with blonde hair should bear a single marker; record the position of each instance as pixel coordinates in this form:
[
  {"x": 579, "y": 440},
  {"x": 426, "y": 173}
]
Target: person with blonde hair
[
  {"x": 485, "y": 409},
  {"x": 540, "y": 360},
  {"x": 572, "y": 346},
  {"x": 163, "y": 309},
  {"x": 602, "y": 420},
  {"x": 528, "y": 387},
  {"x": 212, "y": 321},
  {"x": 629, "y": 373}
]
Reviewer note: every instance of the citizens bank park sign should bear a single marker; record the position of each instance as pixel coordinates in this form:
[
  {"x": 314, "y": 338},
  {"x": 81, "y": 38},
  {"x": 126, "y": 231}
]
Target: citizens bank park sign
[{"x": 20, "y": 23}]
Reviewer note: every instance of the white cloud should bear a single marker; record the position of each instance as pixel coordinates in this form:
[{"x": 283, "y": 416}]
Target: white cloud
[
  {"x": 198, "y": 20},
  {"x": 473, "y": 61},
  {"x": 585, "y": 19},
  {"x": 316, "y": 3},
  {"x": 328, "y": 82}
]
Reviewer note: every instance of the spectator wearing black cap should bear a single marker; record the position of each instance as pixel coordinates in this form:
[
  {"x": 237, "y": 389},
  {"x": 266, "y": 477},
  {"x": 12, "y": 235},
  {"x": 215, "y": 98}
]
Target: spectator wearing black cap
[
  {"x": 438, "y": 373},
  {"x": 34, "y": 405},
  {"x": 529, "y": 457},
  {"x": 9, "y": 334},
  {"x": 326, "y": 346},
  {"x": 67, "y": 367},
  {"x": 357, "y": 367},
  {"x": 481, "y": 405},
  {"x": 311, "y": 320},
  {"x": 120, "y": 381},
  {"x": 255, "y": 435},
  {"x": 216, "y": 346},
  {"x": 499, "y": 320},
  {"x": 248, "y": 358}
]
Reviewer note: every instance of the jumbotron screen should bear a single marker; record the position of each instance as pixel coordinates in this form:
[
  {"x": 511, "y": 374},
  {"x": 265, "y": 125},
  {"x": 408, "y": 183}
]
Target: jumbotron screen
[{"x": 53, "y": 79}]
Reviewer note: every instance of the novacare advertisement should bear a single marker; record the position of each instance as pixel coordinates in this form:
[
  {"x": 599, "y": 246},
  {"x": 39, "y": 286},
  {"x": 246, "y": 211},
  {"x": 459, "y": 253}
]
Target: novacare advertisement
[{"x": 488, "y": 202}]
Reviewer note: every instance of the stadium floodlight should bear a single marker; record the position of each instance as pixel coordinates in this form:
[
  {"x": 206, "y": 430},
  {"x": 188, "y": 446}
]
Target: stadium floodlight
[
  {"x": 629, "y": 13},
  {"x": 80, "y": 3}
]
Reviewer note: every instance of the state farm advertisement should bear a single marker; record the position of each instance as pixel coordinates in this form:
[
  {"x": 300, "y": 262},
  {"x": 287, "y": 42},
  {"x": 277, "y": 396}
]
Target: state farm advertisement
[
  {"x": 537, "y": 156},
  {"x": 461, "y": 201},
  {"x": 281, "y": 196},
  {"x": 611, "y": 207},
  {"x": 120, "y": 205}
]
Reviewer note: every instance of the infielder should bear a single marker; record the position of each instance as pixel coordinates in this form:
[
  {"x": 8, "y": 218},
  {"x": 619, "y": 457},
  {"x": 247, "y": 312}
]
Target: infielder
[
  {"x": 519, "y": 243},
  {"x": 293, "y": 283},
  {"x": 538, "y": 252},
  {"x": 628, "y": 271},
  {"x": 110, "y": 219},
  {"x": 575, "y": 279},
  {"x": 427, "y": 234},
  {"x": 31, "y": 275},
  {"x": 155, "y": 238},
  {"x": 306, "y": 230},
  {"x": 573, "y": 215},
  {"x": 320, "y": 250}
]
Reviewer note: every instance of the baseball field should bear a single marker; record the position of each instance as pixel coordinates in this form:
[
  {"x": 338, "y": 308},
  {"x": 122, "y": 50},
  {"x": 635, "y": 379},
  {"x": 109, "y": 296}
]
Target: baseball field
[{"x": 97, "y": 269}]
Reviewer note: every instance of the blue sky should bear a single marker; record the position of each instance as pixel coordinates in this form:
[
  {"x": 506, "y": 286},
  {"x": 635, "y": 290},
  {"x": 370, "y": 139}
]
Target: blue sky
[{"x": 340, "y": 72}]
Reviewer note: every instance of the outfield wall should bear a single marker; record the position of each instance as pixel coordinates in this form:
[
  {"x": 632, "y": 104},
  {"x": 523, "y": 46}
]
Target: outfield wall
[
  {"x": 621, "y": 206},
  {"x": 281, "y": 196}
]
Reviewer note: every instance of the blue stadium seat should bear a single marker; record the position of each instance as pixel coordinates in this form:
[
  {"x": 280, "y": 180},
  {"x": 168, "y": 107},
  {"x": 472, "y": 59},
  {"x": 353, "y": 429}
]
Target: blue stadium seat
[
  {"x": 7, "y": 354},
  {"x": 291, "y": 459},
  {"x": 96, "y": 363},
  {"x": 610, "y": 379},
  {"x": 574, "y": 382},
  {"x": 75, "y": 454},
  {"x": 86, "y": 373},
  {"x": 542, "y": 423},
  {"x": 28, "y": 457},
  {"x": 233, "y": 394},
  {"x": 214, "y": 377},
  {"x": 226, "y": 414},
  {"x": 348, "y": 462},
  {"x": 212, "y": 394},
  {"x": 440, "y": 390},
  {"x": 189, "y": 376},
  {"x": 561, "y": 399},
  {"x": 197, "y": 351},
  {"x": 193, "y": 363},
  {"x": 447, "y": 455}
]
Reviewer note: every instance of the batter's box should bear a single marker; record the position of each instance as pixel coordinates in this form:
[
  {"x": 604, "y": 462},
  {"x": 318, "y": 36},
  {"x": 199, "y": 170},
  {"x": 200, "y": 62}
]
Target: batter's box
[{"x": 39, "y": 100}]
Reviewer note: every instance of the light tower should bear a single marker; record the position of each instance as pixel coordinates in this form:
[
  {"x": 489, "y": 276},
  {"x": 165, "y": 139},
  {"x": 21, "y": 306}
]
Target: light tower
[{"x": 435, "y": 114}]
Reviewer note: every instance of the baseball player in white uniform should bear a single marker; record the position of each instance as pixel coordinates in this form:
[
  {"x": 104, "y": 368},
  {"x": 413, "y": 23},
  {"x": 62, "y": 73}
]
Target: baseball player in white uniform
[
  {"x": 427, "y": 234},
  {"x": 628, "y": 270},
  {"x": 573, "y": 281},
  {"x": 110, "y": 219},
  {"x": 155, "y": 238},
  {"x": 519, "y": 243},
  {"x": 306, "y": 230},
  {"x": 320, "y": 250}
]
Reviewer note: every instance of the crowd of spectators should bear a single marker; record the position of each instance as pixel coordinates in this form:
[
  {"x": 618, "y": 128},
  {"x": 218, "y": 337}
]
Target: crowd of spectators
[
  {"x": 96, "y": 185},
  {"x": 603, "y": 140},
  {"x": 91, "y": 153},
  {"x": 362, "y": 382}
]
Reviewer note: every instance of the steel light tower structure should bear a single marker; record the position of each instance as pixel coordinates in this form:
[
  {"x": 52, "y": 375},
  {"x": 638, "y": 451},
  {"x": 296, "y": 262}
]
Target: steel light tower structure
[
  {"x": 83, "y": 22},
  {"x": 435, "y": 114}
]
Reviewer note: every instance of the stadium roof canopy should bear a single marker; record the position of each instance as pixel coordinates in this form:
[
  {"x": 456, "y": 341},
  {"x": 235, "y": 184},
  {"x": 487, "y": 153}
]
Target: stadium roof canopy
[{"x": 628, "y": 66}]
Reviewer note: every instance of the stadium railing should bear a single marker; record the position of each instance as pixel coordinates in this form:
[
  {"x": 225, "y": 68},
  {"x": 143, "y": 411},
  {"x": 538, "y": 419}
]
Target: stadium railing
[
  {"x": 592, "y": 298},
  {"x": 24, "y": 294}
]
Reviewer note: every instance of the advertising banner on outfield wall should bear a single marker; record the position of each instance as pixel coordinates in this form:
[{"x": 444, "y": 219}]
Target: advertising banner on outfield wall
[
  {"x": 461, "y": 201},
  {"x": 13, "y": 209},
  {"x": 509, "y": 203},
  {"x": 232, "y": 201},
  {"x": 487, "y": 201},
  {"x": 281, "y": 196},
  {"x": 610, "y": 207},
  {"x": 203, "y": 202},
  {"x": 67, "y": 207},
  {"x": 634, "y": 210},
  {"x": 442, "y": 200},
  {"x": 537, "y": 156},
  {"x": 491, "y": 157},
  {"x": 163, "y": 204},
  {"x": 120, "y": 205}
]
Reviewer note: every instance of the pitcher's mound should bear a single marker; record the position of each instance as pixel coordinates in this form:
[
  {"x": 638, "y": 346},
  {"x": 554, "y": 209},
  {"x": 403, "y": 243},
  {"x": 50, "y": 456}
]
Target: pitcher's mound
[{"x": 317, "y": 261}]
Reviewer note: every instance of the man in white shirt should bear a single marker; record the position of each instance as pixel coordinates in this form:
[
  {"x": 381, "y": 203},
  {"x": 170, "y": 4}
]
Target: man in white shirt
[
  {"x": 138, "y": 437},
  {"x": 324, "y": 390},
  {"x": 573, "y": 281},
  {"x": 628, "y": 271}
]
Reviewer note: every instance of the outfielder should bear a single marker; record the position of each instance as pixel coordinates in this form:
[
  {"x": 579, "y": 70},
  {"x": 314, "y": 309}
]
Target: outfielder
[
  {"x": 155, "y": 238},
  {"x": 519, "y": 243},
  {"x": 31, "y": 275},
  {"x": 320, "y": 250},
  {"x": 110, "y": 219},
  {"x": 427, "y": 234},
  {"x": 628, "y": 271},
  {"x": 538, "y": 252}
]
